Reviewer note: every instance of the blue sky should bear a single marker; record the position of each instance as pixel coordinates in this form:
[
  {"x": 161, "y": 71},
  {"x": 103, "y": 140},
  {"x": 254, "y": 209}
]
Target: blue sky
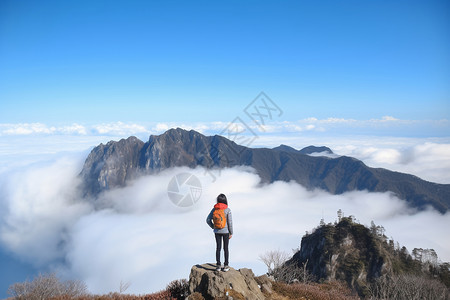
[
  {"x": 369, "y": 79},
  {"x": 175, "y": 61}
]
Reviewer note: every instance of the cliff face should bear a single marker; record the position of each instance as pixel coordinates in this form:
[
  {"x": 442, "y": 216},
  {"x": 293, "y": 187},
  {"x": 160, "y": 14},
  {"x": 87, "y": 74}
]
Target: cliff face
[
  {"x": 179, "y": 147},
  {"x": 112, "y": 165}
]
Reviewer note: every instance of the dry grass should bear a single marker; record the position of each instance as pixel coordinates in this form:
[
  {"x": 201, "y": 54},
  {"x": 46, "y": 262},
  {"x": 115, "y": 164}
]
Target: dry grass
[
  {"x": 196, "y": 296},
  {"x": 163, "y": 295},
  {"x": 231, "y": 293},
  {"x": 313, "y": 291}
]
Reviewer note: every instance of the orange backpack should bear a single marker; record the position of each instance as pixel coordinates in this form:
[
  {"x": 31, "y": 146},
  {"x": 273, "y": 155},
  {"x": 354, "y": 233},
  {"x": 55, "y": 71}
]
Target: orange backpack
[{"x": 219, "y": 219}]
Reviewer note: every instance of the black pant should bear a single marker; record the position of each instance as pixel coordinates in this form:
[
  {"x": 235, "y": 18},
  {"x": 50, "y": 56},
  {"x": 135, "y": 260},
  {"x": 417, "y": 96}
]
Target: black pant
[{"x": 226, "y": 239}]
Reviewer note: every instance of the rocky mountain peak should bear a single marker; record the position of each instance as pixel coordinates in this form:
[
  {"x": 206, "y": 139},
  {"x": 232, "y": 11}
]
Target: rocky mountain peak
[
  {"x": 361, "y": 256},
  {"x": 176, "y": 135},
  {"x": 114, "y": 164},
  {"x": 346, "y": 251},
  {"x": 285, "y": 148}
]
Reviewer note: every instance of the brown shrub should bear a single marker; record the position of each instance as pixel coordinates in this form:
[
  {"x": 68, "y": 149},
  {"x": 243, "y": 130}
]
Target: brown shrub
[
  {"x": 47, "y": 286},
  {"x": 163, "y": 295},
  {"x": 314, "y": 291},
  {"x": 408, "y": 286},
  {"x": 178, "y": 289}
]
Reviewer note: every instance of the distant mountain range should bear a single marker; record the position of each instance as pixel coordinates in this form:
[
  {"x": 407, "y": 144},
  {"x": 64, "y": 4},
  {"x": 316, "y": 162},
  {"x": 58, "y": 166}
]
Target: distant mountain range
[{"x": 112, "y": 165}]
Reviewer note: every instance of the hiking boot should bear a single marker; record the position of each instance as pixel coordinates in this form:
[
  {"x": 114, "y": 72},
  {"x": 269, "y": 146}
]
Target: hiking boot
[
  {"x": 226, "y": 268},
  {"x": 218, "y": 267}
]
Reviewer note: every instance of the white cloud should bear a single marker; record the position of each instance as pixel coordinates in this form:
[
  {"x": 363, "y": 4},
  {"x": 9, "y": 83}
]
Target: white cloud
[
  {"x": 324, "y": 153},
  {"x": 137, "y": 235},
  {"x": 337, "y": 121},
  {"x": 386, "y": 125},
  {"x": 119, "y": 128},
  {"x": 427, "y": 160},
  {"x": 26, "y": 129},
  {"x": 155, "y": 237},
  {"x": 389, "y": 118},
  {"x": 161, "y": 127},
  {"x": 311, "y": 119},
  {"x": 39, "y": 204},
  {"x": 218, "y": 126},
  {"x": 200, "y": 127},
  {"x": 40, "y": 129},
  {"x": 75, "y": 129}
]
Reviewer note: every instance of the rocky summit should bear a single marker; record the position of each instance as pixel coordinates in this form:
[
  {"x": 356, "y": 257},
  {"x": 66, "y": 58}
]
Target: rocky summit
[
  {"x": 236, "y": 284},
  {"x": 116, "y": 163}
]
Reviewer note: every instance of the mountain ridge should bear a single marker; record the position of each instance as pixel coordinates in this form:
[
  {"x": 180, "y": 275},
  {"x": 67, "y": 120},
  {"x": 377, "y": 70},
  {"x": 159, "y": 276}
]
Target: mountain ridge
[{"x": 114, "y": 164}]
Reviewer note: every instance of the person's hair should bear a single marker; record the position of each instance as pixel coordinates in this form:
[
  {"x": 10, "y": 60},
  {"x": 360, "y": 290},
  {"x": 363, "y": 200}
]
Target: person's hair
[{"x": 222, "y": 199}]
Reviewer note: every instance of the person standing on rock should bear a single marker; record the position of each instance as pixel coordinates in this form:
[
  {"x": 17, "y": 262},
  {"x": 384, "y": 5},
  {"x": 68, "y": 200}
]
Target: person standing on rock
[{"x": 221, "y": 221}]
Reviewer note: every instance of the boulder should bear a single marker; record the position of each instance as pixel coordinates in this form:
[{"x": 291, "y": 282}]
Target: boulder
[
  {"x": 212, "y": 284},
  {"x": 265, "y": 284}
]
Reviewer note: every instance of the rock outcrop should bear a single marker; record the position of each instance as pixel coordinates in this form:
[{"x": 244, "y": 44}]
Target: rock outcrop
[
  {"x": 347, "y": 252},
  {"x": 241, "y": 283}
]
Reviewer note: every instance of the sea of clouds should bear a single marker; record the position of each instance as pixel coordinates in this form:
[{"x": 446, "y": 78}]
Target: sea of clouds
[{"x": 137, "y": 235}]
